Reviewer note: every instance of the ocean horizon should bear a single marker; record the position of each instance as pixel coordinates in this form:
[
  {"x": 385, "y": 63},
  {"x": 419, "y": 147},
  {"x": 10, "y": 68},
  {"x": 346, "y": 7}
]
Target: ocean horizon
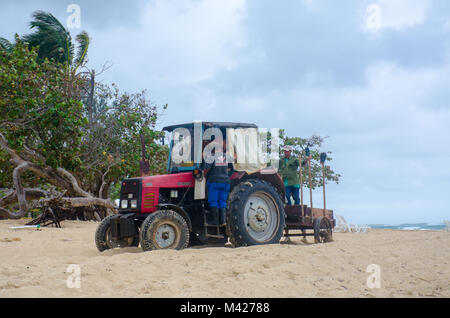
[{"x": 410, "y": 226}]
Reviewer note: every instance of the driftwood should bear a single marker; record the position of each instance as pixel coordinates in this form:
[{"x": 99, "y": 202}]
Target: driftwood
[
  {"x": 54, "y": 207},
  {"x": 74, "y": 199},
  {"x": 54, "y": 211}
]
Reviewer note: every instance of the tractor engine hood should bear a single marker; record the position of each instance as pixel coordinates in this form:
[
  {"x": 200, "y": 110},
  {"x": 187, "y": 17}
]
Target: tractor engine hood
[
  {"x": 142, "y": 194},
  {"x": 151, "y": 187},
  {"x": 178, "y": 180}
]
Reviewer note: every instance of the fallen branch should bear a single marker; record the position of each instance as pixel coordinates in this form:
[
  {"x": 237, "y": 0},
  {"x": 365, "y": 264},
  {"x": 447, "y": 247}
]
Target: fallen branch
[
  {"x": 76, "y": 197},
  {"x": 11, "y": 198}
]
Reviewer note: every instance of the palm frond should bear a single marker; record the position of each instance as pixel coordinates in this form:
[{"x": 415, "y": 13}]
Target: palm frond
[
  {"x": 83, "y": 46},
  {"x": 53, "y": 40},
  {"x": 46, "y": 19},
  {"x": 6, "y": 45}
]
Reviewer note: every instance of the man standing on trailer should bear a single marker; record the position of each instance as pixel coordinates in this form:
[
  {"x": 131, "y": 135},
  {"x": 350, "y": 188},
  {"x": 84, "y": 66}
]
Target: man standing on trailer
[{"x": 288, "y": 170}]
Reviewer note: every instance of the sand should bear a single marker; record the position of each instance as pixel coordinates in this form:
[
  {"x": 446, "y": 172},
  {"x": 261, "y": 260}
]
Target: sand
[{"x": 411, "y": 264}]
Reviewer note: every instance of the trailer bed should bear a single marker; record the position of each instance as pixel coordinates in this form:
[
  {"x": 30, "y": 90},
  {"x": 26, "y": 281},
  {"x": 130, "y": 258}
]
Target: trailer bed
[{"x": 295, "y": 220}]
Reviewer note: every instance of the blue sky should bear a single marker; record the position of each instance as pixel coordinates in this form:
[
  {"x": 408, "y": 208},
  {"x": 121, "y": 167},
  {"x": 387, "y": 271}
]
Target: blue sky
[{"x": 375, "y": 82}]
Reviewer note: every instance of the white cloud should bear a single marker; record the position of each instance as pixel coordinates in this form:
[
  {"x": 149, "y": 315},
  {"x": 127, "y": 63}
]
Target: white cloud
[
  {"x": 308, "y": 3},
  {"x": 177, "y": 42},
  {"x": 391, "y": 95},
  {"x": 396, "y": 14}
]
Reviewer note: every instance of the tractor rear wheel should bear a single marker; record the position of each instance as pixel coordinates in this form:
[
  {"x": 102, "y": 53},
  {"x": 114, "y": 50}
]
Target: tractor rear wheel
[
  {"x": 104, "y": 240},
  {"x": 255, "y": 214},
  {"x": 164, "y": 230}
]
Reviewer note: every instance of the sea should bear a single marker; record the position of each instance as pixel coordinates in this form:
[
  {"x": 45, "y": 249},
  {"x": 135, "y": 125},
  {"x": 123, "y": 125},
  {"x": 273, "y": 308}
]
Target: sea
[{"x": 410, "y": 226}]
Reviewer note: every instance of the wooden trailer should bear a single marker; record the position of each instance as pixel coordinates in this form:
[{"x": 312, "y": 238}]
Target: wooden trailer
[{"x": 310, "y": 222}]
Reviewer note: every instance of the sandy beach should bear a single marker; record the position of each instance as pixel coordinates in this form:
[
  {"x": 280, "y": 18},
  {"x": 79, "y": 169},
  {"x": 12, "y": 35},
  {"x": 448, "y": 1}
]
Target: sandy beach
[{"x": 411, "y": 263}]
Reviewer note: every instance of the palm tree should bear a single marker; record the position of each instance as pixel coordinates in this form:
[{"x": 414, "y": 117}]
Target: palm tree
[
  {"x": 6, "y": 45},
  {"x": 55, "y": 42}
]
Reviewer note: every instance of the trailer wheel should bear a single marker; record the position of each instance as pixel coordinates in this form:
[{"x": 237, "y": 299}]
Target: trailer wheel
[
  {"x": 164, "y": 230},
  {"x": 104, "y": 241},
  {"x": 255, "y": 215},
  {"x": 323, "y": 232}
]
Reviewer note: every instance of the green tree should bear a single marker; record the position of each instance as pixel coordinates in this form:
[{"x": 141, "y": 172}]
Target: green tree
[
  {"x": 37, "y": 109},
  {"x": 314, "y": 143},
  {"x": 39, "y": 118},
  {"x": 5, "y": 45},
  {"x": 55, "y": 42},
  {"x": 53, "y": 132},
  {"x": 111, "y": 147}
]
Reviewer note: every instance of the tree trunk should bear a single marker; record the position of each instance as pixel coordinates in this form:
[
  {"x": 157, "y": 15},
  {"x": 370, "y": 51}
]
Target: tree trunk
[
  {"x": 12, "y": 197},
  {"x": 58, "y": 177}
]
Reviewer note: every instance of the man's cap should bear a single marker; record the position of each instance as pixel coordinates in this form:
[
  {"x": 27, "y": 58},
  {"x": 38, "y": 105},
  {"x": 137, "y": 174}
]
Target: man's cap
[{"x": 287, "y": 148}]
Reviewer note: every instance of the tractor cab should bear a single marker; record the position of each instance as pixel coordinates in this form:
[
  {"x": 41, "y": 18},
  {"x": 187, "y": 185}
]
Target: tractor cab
[{"x": 188, "y": 141}]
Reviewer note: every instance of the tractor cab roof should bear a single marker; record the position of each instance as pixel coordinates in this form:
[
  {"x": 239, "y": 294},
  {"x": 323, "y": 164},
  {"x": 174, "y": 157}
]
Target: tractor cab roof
[{"x": 211, "y": 124}]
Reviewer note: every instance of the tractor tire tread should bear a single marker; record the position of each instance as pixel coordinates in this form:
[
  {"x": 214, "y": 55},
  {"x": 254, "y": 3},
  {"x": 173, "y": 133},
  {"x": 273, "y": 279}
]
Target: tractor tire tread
[
  {"x": 153, "y": 219},
  {"x": 100, "y": 235},
  {"x": 239, "y": 193}
]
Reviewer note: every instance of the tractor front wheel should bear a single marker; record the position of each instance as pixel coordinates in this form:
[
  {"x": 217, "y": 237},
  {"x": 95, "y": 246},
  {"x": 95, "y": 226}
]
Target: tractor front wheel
[
  {"x": 164, "y": 230},
  {"x": 104, "y": 240}
]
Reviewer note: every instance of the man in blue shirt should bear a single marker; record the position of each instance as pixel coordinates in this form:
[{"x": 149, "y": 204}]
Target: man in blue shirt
[{"x": 218, "y": 180}]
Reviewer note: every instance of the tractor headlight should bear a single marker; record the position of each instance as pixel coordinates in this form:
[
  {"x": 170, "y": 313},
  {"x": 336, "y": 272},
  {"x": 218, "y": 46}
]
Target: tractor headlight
[
  {"x": 133, "y": 204},
  {"x": 174, "y": 194},
  {"x": 124, "y": 204}
]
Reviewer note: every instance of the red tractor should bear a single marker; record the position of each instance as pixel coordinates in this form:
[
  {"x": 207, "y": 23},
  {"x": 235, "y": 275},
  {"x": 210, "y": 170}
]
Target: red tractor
[{"x": 169, "y": 211}]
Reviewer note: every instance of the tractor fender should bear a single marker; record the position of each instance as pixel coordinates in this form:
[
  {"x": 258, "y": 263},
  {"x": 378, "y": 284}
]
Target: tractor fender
[
  {"x": 179, "y": 210},
  {"x": 273, "y": 178}
]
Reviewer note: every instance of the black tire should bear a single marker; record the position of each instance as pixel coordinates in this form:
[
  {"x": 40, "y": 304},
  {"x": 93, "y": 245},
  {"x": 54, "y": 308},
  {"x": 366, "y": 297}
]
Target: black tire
[
  {"x": 104, "y": 242},
  {"x": 164, "y": 230},
  {"x": 244, "y": 225},
  {"x": 323, "y": 232}
]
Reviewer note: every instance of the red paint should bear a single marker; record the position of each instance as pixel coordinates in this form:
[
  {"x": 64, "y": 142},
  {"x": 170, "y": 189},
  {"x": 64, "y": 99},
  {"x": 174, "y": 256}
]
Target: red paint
[{"x": 151, "y": 185}]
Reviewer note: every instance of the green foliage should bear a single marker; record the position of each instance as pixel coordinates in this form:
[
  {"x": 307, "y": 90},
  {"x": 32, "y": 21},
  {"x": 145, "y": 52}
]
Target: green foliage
[
  {"x": 83, "y": 41},
  {"x": 67, "y": 119},
  {"x": 314, "y": 143},
  {"x": 6, "y": 169},
  {"x": 54, "y": 41},
  {"x": 114, "y": 193},
  {"x": 112, "y": 137},
  {"x": 5, "y": 44},
  {"x": 44, "y": 109},
  {"x": 37, "y": 108}
]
